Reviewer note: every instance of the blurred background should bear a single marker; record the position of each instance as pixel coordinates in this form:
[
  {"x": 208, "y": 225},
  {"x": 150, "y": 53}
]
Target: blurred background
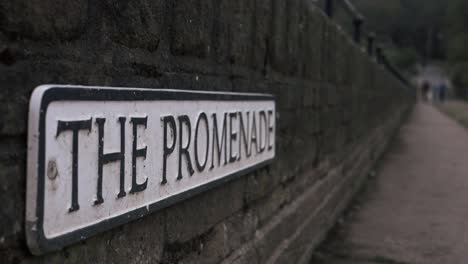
[{"x": 425, "y": 39}]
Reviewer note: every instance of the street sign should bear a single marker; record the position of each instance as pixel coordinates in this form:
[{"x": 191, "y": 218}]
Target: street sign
[{"x": 99, "y": 157}]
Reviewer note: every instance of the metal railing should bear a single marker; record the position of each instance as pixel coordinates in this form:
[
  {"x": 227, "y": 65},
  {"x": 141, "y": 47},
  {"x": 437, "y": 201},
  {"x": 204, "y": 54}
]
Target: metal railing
[{"x": 358, "y": 21}]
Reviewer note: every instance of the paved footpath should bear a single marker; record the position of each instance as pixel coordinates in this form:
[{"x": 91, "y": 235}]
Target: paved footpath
[{"x": 416, "y": 209}]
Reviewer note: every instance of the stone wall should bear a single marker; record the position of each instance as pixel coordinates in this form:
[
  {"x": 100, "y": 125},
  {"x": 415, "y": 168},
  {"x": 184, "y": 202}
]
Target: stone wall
[{"x": 337, "y": 110}]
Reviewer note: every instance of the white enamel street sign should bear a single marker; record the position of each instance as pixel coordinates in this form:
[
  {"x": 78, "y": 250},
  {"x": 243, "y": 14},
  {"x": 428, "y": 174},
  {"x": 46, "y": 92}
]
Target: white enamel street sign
[{"x": 99, "y": 157}]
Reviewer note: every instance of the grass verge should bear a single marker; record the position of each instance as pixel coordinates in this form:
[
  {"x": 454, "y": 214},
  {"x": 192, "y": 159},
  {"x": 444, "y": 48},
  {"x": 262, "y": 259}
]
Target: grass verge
[{"x": 457, "y": 110}]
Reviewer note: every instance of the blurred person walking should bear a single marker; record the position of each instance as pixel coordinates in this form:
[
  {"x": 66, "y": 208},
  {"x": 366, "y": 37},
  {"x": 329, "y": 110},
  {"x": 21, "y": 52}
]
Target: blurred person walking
[
  {"x": 442, "y": 92},
  {"x": 435, "y": 93},
  {"x": 425, "y": 91}
]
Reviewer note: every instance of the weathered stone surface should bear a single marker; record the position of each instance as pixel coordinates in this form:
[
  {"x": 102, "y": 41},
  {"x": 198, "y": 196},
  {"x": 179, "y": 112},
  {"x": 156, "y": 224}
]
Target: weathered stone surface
[
  {"x": 12, "y": 165},
  {"x": 141, "y": 241},
  {"x": 241, "y": 22},
  {"x": 192, "y": 26},
  {"x": 197, "y": 215},
  {"x": 313, "y": 42},
  {"x": 43, "y": 19},
  {"x": 336, "y": 110},
  {"x": 278, "y": 37},
  {"x": 136, "y": 23},
  {"x": 261, "y": 29}
]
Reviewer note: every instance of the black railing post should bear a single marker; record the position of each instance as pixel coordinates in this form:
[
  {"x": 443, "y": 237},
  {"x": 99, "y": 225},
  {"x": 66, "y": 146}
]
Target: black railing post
[
  {"x": 370, "y": 43},
  {"x": 378, "y": 54},
  {"x": 329, "y": 8},
  {"x": 357, "y": 29},
  {"x": 373, "y": 48},
  {"x": 385, "y": 61}
]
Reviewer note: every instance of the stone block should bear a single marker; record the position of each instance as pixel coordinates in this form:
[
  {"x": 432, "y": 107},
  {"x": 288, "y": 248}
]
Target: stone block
[
  {"x": 136, "y": 23},
  {"x": 242, "y": 20},
  {"x": 261, "y": 30},
  {"x": 294, "y": 29},
  {"x": 195, "y": 216},
  {"x": 279, "y": 37},
  {"x": 192, "y": 23},
  {"x": 12, "y": 167},
  {"x": 44, "y": 19}
]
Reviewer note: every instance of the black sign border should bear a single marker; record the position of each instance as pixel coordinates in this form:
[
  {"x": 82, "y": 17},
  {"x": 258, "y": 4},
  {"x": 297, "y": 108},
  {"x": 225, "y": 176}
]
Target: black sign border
[{"x": 39, "y": 243}]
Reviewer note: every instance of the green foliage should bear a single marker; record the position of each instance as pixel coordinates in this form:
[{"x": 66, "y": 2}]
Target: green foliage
[
  {"x": 460, "y": 79},
  {"x": 457, "y": 110},
  {"x": 458, "y": 47},
  {"x": 456, "y": 16},
  {"x": 456, "y": 25},
  {"x": 403, "y": 18},
  {"x": 403, "y": 58},
  {"x": 456, "y": 20},
  {"x": 422, "y": 29},
  {"x": 381, "y": 15}
]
